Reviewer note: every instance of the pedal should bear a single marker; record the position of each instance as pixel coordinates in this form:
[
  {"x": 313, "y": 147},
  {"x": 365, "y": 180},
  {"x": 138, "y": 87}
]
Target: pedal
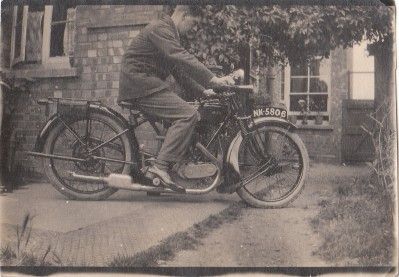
[
  {"x": 156, "y": 182},
  {"x": 153, "y": 178}
]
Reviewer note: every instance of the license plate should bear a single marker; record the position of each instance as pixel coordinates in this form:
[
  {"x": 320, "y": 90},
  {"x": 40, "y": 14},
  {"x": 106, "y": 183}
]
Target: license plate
[{"x": 270, "y": 112}]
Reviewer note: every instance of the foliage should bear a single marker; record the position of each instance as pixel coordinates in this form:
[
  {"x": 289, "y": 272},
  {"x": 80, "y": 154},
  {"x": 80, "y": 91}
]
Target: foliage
[
  {"x": 278, "y": 33},
  {"x": 356, "y": 230},
  {"x": 384, "y": 143},
  {"x": 358, "y": 222},
  {"x": 21, "y": 255}
]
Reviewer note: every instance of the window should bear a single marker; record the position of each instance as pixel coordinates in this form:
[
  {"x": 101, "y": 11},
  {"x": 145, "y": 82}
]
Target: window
[
  {"x": 43, "y": 34},
  {"x": 307, "y": 88},
  {"x": 57, "y": 34},
  {"x": 361, "y": 72}
]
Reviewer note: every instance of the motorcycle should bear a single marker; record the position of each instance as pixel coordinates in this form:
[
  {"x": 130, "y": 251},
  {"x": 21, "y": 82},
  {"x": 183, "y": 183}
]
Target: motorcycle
[{"x": 90, "y": 150}]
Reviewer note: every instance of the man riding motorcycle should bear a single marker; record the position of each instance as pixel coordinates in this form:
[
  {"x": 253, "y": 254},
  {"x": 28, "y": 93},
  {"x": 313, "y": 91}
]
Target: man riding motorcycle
[{"x": 153, "y": 55}]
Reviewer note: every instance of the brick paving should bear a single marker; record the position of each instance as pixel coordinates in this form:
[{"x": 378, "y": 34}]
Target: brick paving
[
  {"x": 100, "y": 233},
  {"x": 95, "y": 245}
]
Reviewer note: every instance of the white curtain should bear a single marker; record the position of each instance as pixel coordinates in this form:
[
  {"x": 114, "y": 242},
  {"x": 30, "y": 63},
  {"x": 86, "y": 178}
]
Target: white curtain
[
  {"x": 34, "y": 37},
  {"x": 69, "y": 34}
]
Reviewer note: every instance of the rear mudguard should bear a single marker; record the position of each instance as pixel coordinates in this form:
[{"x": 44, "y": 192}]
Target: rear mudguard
[
  {"x": 54, "y": 120},
  {"x": 232, "y": 171}
]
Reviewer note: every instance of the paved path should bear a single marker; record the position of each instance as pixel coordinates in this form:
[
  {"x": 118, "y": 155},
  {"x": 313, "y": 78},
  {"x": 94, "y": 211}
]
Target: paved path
[
  {"x": 93, "y": 233},
  {"x": 274, "y": 237}
]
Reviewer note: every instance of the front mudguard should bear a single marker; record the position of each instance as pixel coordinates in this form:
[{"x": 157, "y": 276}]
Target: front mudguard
[{"x": 232, "y": 170}]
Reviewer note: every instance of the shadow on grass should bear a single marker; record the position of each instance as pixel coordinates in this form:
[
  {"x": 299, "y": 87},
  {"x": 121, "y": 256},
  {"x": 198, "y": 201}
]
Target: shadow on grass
[{"x": 186, "y": 240}]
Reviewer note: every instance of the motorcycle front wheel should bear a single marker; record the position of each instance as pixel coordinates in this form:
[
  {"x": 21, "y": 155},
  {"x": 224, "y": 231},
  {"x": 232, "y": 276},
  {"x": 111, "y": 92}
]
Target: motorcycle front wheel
[
  {"x": 75, "y": 138},
  {"x": 273, "y": 164}
]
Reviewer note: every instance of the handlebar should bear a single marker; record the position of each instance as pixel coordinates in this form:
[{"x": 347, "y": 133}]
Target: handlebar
[
  {"x": 227, "y": 91},
  {"x": 233, "y": 88}
]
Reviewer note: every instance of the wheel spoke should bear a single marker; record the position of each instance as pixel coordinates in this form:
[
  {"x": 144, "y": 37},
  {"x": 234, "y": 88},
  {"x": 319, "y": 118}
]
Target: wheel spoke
[
  {"x": 72, "y": 132},
  {"x": 106, "y": 141},
  {"x": 88, "y": 131},
  {"x": 257, "y": 173},
  {"x": 272, "y": 170}
]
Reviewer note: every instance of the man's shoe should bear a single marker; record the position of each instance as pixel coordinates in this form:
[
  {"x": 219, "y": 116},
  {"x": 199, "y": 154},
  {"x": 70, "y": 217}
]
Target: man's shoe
[{"x": 165, "y": 178}]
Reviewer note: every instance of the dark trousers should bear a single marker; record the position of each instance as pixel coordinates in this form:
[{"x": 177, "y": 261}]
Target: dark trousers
[{"x": 168, "y": 106}]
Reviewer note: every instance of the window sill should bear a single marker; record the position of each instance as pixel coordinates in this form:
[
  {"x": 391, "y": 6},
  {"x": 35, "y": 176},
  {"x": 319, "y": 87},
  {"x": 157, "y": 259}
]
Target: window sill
[
  {"x": 326, "y": 127},
  {"x": 45, "y": 72}
]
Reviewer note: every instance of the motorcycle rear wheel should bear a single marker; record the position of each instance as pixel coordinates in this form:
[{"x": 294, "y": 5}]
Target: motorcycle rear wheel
[
  {"x": 275, "y": 168},
  {"x": 62, "y": 141}
]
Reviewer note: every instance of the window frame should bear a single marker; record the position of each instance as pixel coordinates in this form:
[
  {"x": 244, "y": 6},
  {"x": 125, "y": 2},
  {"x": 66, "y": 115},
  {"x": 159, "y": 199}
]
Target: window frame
[
  {"x": 47, "y": 23},
  {"x": 288, "y": 94},
  {"x": 14, "y": 60}
]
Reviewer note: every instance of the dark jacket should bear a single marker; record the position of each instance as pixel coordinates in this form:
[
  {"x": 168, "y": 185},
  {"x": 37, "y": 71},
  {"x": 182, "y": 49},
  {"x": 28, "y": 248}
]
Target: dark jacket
[{"x": 153, "y": 55}]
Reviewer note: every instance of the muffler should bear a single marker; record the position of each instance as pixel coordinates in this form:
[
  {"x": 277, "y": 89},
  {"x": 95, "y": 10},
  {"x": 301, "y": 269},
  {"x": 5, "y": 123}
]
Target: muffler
[{"x": 119, "y": 181}]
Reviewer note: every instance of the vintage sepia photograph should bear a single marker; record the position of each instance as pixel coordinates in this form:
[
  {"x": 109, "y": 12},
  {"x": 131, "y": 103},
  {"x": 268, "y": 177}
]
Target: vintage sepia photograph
[{"x": 198, "y": 138}]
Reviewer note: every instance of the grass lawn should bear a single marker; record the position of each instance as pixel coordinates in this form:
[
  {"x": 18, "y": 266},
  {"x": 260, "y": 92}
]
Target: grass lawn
[{"x": 357, "y": 224}]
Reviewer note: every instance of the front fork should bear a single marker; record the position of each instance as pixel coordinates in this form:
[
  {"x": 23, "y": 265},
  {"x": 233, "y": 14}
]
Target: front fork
[
  {"x": 232, "y": 175},
  {"x": 254, "y": 137}
]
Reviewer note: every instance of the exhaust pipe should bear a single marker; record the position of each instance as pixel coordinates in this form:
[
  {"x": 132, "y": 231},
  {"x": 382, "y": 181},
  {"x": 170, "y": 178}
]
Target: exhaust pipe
[
  {"x": 120, "y": 181},
  {"x": 123, "y": 181}
]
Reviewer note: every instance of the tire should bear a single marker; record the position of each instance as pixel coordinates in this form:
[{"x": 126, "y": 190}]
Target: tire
[
  {"x": 61, "y": 141},
  {"x": 293, "y": 159}
]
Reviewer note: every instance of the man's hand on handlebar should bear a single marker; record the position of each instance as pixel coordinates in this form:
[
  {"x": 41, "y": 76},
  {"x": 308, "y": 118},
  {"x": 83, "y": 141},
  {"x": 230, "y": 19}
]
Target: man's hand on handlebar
[
  {"x": 209, "y": 93},
  {"x": 222, "y": 81}
]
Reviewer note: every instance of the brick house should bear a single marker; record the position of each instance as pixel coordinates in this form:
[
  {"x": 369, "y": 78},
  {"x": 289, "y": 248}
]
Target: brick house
[
  {"x": 76, "y": 52},
  {"x": 338, "y": 94}
]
